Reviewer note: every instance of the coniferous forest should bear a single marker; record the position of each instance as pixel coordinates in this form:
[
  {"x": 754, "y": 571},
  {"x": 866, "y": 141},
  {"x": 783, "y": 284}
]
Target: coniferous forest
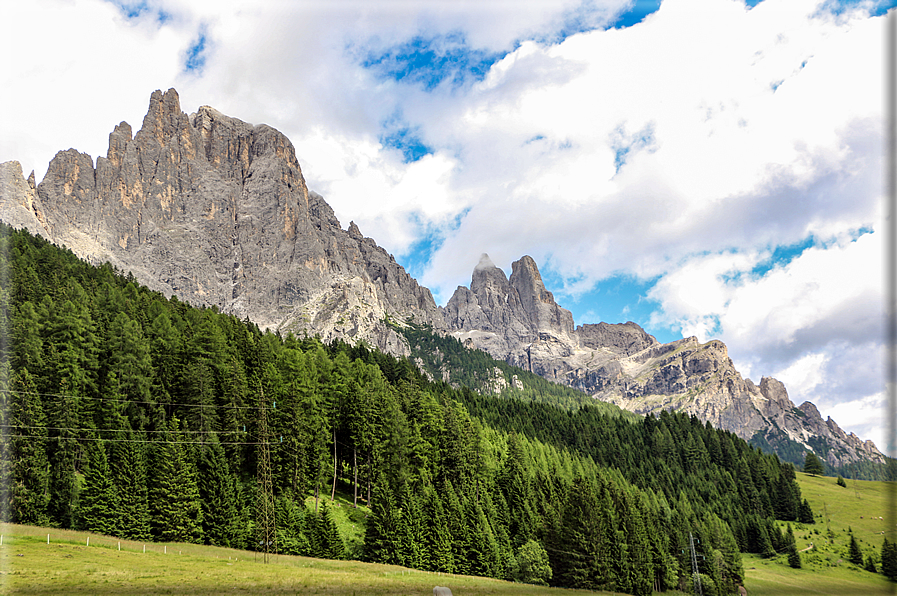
[{"x": 130, "y": 414}]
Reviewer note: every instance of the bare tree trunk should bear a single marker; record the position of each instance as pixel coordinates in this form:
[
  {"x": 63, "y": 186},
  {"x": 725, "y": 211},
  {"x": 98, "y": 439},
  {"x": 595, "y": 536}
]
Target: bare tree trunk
[
  {"x": 369, "y": 479},
  {"x": 355, "y": 466}
]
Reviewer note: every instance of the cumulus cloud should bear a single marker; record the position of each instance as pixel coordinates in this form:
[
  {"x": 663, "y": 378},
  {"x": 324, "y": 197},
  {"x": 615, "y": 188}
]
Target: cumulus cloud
[
  {"x": 684, "y": 149},
  {"x": 75, "y": 69}
]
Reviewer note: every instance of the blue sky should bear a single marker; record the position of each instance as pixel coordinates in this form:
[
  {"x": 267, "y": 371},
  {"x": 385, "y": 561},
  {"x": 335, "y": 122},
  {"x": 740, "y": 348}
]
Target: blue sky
[{"x": 701, "y": 167}]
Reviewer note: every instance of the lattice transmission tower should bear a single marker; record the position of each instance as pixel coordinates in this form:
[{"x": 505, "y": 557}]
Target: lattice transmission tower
[
  {"x": 694, "y": 565},
  {"x": 267, "y": 531}
]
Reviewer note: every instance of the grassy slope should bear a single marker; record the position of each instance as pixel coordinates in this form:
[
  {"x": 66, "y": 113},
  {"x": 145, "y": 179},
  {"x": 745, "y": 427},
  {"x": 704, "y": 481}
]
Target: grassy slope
[
  {"x": 28, "y": 565},
  {"x": 825, "y": 567}
]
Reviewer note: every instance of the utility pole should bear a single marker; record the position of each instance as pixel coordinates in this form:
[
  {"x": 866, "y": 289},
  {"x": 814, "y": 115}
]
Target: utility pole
[
  {"x": 266, "y": 521},
  {"x": 694, "y": 565}
]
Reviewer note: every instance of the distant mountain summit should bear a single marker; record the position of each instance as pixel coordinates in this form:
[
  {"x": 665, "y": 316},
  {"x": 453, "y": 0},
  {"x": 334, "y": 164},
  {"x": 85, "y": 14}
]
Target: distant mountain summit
[
  {"x": 517, "y": 320},
  {"x": 217, "y": 212}
]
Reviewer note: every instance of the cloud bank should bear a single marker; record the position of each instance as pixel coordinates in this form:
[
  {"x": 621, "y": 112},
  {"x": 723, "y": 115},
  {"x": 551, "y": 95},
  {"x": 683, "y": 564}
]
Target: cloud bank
[{"x": 723, "y": 157}]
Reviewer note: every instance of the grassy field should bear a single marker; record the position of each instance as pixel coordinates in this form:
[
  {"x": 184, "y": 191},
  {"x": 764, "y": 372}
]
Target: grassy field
[
  {"x": 863, "y": 508},
  {"x": 28, "y": 565}
]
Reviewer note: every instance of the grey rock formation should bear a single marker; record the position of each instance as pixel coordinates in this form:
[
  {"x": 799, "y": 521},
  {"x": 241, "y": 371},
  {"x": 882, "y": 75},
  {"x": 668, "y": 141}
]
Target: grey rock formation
[
  {"x": 217, "y": 211},
  {"x": 517, "y": 320},
  {"x": 20, "y": 206}
]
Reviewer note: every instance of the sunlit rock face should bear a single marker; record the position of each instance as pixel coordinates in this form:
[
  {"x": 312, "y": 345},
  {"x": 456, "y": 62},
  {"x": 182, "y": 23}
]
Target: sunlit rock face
[
  {"x": 217, "y": 211},
  {"x": 517, "y": 320}
]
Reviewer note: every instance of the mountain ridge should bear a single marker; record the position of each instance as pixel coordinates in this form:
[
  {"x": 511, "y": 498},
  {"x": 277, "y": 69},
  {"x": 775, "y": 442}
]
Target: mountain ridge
[{"x": 216, "y": 211}]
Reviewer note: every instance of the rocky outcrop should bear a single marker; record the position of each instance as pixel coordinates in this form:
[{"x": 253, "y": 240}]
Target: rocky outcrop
[
  {"x": 20, "y": 206},
  {"x": 517, "y": 320},
  {"x": 217, "y": 211}
]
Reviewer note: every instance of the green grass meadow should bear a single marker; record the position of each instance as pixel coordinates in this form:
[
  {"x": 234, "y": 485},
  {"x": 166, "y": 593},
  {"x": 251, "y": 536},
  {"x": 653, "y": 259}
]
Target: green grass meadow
[
  {"x": 28, "y": 565},
  {"x": 824, "y": 544}
]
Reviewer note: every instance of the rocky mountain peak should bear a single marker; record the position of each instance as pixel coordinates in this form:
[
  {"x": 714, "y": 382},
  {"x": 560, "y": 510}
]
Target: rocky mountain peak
[
  {"x": 538, "y": 303},
  {"x": 216, "y": 210}
]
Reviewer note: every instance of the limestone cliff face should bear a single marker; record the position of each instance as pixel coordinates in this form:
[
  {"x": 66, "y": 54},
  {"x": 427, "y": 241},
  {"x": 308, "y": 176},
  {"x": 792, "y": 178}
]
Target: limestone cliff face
[
  {"x": 20, "y": 206},
  {"x": 217, "y": 211},
  {"x": 517, "y": 320}
]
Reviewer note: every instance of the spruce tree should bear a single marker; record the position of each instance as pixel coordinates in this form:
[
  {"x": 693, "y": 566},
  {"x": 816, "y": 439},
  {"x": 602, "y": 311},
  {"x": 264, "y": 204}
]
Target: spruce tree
[
  {"x": 380, "y": 532},
  {"x": 793, "y": 555},
  {"x": 216, "y": 492},
  {"x": 437, "y": 550},
  {"x": 130, "y": 478},
  {"x": 330, "y": 543},
  {"x": 889, "y": 560},
  {"x": 29, "y": 492},
  {"x": 98, "y": 500},
  {"x": 812, "y": 465},
  {"x": 175, "y": 502},
  {"x": 805, "y": 513},
  {"x": 855, "y": 555}
]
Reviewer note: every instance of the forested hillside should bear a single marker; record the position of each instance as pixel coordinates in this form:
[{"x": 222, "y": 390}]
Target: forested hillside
[{"x": 139, "y": 416}]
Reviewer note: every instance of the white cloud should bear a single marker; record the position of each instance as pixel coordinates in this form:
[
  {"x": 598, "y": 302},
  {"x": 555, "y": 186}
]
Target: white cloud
[
  {"x": 745, "y": 130},
  {"x": 75, "y": 69}
]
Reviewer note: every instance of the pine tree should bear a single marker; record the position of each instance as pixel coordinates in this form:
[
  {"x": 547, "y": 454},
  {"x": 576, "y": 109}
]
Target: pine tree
[
  {"x": 812, "y": 465},
  {"x": 216, "y": 492},
  {"x": 381, "y": 529},
  {"x": 805, "y": 513},
  {"x": 129, "y": 475},
  {"x": 175, "y": 503},
  {"x": 793, "y": 555},
  {"x": 889, "y": 560},
  {"x": 855, "y": 555},
  {"x": 98, "y": 500},
  {"x": 437, "y": 550},
  {"x": 29, "y": 487},
  {"x": 329, "y": 542}
]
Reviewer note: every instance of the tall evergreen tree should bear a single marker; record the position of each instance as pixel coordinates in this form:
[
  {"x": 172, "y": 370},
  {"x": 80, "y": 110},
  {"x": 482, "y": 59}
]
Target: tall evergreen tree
[
  {"x": 98, "y": 501},
  {"x": 29, "y": 485},
  {"x": 329, "y": 544},
  {"x": 437, "y": 552},
  {"x": 217, "y": 495},
  {"x": 889, "y": 560},
  {"x": 855, "y": 554},
  {"x": 175, "y": 503},
  {"x": 130, "y": 478}
]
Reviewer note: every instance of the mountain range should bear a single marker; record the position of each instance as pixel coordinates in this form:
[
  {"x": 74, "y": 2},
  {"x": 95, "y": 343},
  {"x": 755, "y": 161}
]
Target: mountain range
[{"x": 217, "y": 212}]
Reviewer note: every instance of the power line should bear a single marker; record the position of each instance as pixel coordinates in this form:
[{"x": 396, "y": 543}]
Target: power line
[
  {"x": 121, "y": 430},
  {"x": 134, "y": 401},
  {"x": 133, "y": 440}
]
